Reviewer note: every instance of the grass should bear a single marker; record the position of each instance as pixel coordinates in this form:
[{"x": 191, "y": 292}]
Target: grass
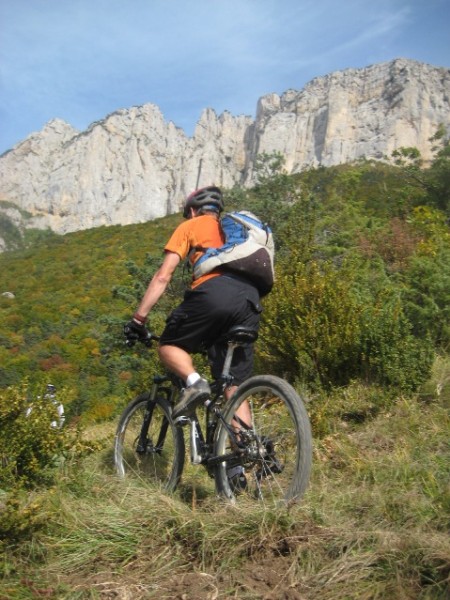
[{"x": 373, "y": 524}]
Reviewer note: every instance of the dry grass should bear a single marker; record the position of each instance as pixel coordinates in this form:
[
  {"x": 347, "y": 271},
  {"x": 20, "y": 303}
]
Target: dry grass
[{"x": 373, "y": 525}]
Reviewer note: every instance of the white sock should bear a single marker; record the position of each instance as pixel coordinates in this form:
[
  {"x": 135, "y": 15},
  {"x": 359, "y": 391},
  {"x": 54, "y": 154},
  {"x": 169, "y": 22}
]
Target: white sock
[{"x": 192, "y": 378}]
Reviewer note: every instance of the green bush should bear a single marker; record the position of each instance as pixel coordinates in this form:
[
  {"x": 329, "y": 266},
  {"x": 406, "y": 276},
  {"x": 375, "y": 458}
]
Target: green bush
[
  {"x": 30, "y": 446},
  {"x": 21, "y": 517},
  {"x": 322, "y": 326},
  {"x": 390, "y": 354},
  {"x": 311, "y": 326}
]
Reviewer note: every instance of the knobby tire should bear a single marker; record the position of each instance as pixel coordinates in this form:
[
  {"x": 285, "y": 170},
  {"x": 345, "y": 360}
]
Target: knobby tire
[
  {"x": 275, "y": 452},
  {"x": 161, "y": 459}
]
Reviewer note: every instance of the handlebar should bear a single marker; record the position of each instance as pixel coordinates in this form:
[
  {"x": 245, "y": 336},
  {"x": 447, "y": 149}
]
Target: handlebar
[{"x": 147, "y": 341}]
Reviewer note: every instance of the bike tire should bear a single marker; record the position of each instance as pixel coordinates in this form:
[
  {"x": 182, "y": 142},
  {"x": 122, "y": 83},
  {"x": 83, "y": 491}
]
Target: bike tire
[
  {"x": 162, "y": 460},
  {"x": 276, "y": 451}
]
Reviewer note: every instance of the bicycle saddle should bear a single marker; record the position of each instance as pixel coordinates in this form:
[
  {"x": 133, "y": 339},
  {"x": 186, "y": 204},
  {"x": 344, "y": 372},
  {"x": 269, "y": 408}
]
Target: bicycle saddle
[{"x": 241, "y": 335}]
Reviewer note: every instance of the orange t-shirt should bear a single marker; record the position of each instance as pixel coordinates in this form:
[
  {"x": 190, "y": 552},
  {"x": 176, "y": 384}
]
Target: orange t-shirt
[{"x": 203, "y": 231}]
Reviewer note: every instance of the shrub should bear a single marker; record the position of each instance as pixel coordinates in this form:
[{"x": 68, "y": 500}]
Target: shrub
[
  {"x": 310, "y": 329},
  {"x": 390, "y": 354},
  {"x": 22, "y": 516},
  {"x": 321, "y": 327},
  {"x": 427, "y": 296},
  {"x": 29, "y": 445}
]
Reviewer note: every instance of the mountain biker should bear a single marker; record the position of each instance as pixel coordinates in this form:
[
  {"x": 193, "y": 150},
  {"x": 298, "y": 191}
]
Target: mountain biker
[{"x": 214, "y": 304}]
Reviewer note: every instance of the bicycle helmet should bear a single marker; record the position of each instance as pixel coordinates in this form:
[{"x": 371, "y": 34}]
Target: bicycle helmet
[{"x": 208, "y": 196}]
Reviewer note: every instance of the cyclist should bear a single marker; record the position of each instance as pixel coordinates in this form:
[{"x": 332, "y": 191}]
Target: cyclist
[{"x": 214, "y": 304}]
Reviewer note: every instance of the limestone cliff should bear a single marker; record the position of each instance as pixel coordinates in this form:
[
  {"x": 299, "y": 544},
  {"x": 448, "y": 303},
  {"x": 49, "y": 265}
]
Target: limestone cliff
[
  {"x": 134, "y": 166},
  {"x": 355, "y": 113}
]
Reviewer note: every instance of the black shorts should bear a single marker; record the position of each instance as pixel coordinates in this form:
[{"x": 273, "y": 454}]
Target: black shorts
[{"x": 209, "y": 311}]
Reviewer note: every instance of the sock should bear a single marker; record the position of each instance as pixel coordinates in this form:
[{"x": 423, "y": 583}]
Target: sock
[{"x": 192, "y": 378}]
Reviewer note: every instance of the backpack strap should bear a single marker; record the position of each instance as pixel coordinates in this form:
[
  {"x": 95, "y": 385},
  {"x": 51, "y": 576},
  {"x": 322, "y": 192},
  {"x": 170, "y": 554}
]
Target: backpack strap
[
  {"x": 188, "y": 266},
  {"x": 195, "y": 249}
]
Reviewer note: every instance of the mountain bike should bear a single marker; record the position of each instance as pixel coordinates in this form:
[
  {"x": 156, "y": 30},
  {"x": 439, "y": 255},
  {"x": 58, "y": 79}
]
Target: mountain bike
[{"x": 273, "y": 452}]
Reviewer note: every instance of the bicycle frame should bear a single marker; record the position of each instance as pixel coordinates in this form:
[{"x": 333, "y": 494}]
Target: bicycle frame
[
  {"x": 266, "y": 455},
  {"x": 201, "y": 447}
]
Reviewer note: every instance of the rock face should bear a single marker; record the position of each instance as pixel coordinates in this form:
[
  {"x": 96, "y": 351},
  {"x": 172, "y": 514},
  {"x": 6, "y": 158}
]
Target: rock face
[
  {"x": 355, "y": 113},
  {"x": 130, "y": 167},
  {"x": 133, "y": 166}
]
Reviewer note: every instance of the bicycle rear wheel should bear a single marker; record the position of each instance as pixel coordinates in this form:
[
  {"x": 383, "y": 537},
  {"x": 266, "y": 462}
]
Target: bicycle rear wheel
[
  {"x": 274, "y": 450},
  {"x": 158, "y": 454}
]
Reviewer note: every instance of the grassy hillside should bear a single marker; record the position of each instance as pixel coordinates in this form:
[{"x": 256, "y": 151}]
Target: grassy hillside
[
  {"x": 54, "y": 327},
  {"x": 373, "y": 525},
  {"x": 362, "y": 291},
  {"x": 359, "y": 321}
]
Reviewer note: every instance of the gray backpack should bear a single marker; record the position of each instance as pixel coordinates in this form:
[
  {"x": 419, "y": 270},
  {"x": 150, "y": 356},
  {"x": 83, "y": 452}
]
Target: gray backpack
[{"x": 248, "y": 251}]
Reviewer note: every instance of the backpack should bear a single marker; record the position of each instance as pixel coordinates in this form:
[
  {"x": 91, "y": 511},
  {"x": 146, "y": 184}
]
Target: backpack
[{"x": 248, "y": 251}]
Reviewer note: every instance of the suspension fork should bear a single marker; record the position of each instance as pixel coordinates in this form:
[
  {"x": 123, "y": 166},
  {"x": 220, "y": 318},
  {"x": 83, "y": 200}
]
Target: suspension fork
[{"x": 141, "y": 446}]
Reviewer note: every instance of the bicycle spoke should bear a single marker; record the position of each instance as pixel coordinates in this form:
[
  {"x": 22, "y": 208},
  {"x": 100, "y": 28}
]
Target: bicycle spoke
[
  {"x": 159, "y": 456},
  {"x": 275, "y": 452}
]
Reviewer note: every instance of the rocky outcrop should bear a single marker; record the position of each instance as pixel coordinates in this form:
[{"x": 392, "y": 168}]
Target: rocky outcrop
[
  {"x": 133, "y": 166},
  {"x": 355, "y": 113},
  {"x": 130, "y": 167}
]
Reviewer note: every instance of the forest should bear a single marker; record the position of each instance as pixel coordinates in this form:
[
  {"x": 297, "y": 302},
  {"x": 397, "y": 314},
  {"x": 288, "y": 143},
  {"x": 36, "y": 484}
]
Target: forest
[{"x": 358, "y": 321}]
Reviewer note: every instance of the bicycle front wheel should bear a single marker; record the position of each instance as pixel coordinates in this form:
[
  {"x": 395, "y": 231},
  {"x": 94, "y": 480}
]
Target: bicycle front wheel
[
  {"x": 268, "y": 458},
  {"x": 147, "y": 444}
]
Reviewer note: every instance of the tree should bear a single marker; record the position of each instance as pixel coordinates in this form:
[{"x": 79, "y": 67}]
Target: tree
[{"x": 435, "y": 180}]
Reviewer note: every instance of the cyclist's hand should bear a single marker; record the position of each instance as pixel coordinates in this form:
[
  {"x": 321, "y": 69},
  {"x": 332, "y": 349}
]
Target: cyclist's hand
[{"x": 136, "y": 332}]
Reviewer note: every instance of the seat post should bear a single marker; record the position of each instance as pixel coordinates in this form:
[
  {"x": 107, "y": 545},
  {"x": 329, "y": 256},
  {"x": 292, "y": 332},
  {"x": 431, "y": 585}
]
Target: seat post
[
  {"x": 228, "y": 358},
  {"x": 236, "y": 336}
]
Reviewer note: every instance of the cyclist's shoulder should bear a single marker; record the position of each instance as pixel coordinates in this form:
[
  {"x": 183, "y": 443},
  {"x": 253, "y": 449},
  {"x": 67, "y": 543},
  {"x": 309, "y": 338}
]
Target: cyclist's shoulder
[
  {"x": 202, "y": 222},
  {"x": 198, "y": 224}
]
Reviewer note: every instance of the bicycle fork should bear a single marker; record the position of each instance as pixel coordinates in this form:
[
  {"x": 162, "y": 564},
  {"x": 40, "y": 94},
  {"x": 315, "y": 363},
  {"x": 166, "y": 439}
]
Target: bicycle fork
[{"x": 143, "y": 442}]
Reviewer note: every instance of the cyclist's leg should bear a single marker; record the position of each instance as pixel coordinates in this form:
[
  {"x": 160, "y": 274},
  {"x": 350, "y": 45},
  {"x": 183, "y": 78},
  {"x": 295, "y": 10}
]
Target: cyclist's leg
[
  {"x": 244, "y": 309},
  {"x": 276, "y": 451},
  {"x": 243, "y": 417},
  {"x": 241, "y": 369},
  {"x": 243, "y": 413},
  {"x": 182, "y": 337},
  {"x": 189, "y": 329},
  {"x": 246, "y": 313},
  {"x": 193, "y": 326},
  {"x": 176, "y": 360},
  {"x": 236, "y": 472}
]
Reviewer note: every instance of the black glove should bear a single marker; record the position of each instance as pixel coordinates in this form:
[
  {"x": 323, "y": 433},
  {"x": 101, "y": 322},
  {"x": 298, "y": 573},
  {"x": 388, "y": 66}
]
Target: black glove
[{"x": 134, "y": 331}]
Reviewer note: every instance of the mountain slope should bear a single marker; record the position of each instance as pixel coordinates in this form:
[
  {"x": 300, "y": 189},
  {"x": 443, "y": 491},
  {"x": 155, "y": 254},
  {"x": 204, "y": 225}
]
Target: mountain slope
[{"x": 134, "y": 166}]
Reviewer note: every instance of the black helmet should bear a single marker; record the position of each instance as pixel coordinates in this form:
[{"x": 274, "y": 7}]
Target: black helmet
[{"x": 208, "y": 196}]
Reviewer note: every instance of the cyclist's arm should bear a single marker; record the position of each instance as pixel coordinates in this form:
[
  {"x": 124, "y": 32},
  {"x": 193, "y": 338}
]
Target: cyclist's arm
[{"x": 159, "y": 282}]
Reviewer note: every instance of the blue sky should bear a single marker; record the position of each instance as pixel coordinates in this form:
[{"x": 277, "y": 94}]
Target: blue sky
[{"x": 83, "y": 59}]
